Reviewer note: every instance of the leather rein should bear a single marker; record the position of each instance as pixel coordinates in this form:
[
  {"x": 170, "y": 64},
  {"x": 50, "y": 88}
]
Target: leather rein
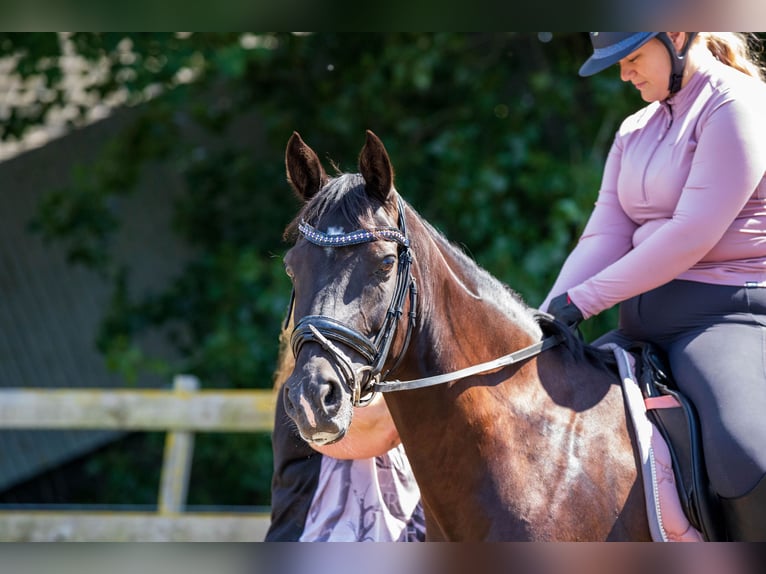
[{"x": 365, "y": 381}]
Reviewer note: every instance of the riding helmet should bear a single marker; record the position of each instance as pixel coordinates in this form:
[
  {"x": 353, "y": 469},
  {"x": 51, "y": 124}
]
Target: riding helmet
[{"x": 610, "y": 47}]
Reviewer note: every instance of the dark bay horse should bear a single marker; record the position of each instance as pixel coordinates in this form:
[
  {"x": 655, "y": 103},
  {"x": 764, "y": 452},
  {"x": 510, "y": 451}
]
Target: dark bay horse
[{"x": 538, "y": 449}]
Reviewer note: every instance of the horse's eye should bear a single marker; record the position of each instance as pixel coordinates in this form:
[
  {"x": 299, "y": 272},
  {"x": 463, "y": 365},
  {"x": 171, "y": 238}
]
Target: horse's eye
[
  {"x": 289, "y": 271},
  {"x": 388, "y": 263}
]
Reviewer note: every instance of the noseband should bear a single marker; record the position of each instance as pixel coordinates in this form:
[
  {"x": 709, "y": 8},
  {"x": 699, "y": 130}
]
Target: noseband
[{"x": 325, "y": 330}]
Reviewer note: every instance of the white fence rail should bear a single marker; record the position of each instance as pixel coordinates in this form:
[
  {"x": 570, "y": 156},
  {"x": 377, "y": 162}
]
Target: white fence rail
[{"x": 181, "y": 412}]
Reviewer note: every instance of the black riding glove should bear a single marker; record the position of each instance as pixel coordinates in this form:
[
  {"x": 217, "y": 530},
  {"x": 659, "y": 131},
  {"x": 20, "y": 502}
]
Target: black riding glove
[{"x": 565, "y": 311}]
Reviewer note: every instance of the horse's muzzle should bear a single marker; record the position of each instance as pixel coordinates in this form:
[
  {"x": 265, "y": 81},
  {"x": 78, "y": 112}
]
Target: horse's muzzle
[{"x": 318, "y": 402}]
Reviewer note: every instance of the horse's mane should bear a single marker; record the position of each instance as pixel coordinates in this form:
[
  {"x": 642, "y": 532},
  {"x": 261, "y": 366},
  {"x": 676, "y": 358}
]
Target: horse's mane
[
  {"x": 285, "y": 359},
  {"x": 489, "y": 287}
]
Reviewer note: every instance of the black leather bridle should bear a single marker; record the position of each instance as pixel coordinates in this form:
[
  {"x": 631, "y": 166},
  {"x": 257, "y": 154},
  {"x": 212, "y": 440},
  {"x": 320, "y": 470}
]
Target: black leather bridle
[{"x": 325, "y": 330}]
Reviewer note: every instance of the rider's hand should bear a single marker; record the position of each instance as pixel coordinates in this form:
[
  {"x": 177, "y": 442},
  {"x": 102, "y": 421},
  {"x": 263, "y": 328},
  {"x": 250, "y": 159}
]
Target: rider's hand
[{"x": 565, "y": 310}]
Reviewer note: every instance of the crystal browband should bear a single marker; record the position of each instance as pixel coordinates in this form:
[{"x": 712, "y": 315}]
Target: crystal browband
[{"x": 323, "y": 239}]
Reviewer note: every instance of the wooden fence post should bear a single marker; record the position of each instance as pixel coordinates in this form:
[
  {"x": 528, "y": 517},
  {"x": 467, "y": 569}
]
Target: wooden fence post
[{"x": 177, "y": 458}]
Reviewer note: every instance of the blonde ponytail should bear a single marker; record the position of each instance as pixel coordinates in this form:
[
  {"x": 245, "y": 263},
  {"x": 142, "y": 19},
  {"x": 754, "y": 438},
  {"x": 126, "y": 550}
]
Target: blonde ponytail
[{"x": 735, "y": 49}]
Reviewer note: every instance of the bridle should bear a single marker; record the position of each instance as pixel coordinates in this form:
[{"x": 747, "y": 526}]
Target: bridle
[
  {"x": 365, "y": 381},
  {"x": 324, "y": 330}
]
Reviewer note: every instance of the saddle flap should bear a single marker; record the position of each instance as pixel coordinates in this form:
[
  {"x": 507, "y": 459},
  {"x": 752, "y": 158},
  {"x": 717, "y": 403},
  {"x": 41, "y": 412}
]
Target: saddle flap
[{"x": 678, "y": 423}]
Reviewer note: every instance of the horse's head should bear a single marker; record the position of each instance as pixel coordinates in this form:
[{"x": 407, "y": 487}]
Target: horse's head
[{"x": 350, "y": 272}]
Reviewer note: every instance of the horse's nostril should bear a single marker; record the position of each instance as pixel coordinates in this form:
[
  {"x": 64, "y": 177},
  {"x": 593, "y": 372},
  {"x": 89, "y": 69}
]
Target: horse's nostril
[
  {"x": 330, "y": 394},
  {"x": 289, "y": 406}
]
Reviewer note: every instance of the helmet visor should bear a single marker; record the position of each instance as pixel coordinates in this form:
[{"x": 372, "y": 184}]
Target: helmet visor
[{"x": 611, "y": 47}]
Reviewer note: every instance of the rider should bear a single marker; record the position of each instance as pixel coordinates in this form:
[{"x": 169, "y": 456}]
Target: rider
[{"x": 677, "y": 237}]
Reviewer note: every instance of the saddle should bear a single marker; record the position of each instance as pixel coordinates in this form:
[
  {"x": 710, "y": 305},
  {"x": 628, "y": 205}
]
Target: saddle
[{"x": 676, "y": 419}]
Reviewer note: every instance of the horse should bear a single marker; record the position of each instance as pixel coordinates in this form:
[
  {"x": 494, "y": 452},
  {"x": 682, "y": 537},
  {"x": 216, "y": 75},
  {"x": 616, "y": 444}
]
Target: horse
[{"x": 532, "y": 447}]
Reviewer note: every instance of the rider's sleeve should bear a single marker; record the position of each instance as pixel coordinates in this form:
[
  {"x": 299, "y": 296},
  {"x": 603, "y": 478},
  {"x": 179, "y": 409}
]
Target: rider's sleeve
[{"x": 727, "y": 166}]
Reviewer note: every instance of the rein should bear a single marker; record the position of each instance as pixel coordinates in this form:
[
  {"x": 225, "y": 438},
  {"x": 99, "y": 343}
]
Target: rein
[{"x": 509, "y": 359}]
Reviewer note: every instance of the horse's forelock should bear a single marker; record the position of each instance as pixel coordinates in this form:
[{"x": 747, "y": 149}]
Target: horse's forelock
[{"x": 344, "y": 194}]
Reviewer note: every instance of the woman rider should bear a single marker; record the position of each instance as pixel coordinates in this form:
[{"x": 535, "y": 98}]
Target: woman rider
[{"x": 677, "y": 238}]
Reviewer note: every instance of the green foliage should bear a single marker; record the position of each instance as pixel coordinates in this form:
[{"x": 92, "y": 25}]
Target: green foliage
[
  {"x": 495, "y": 140},
  {"x": 133, "y": 468},
  {"x": 235, "y": 470}
]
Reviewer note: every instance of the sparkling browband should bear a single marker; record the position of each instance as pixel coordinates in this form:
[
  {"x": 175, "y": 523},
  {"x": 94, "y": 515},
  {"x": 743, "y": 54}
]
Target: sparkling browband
[{"x": 353, "y": 238}]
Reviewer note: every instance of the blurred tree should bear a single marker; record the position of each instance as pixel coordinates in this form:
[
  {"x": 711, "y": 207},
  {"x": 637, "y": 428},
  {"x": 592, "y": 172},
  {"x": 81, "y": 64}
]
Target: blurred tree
[{"x": 495, "y": 140}]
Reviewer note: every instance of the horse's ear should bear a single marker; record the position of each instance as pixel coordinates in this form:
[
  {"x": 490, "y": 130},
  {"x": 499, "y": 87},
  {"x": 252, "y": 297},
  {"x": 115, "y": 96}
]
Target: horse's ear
[
  {"x": 304, "y": 170},
  {"x": 375, "y": 167}
]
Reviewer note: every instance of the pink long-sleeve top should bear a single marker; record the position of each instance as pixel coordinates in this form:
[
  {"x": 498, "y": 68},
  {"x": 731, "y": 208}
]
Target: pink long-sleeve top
[{"x": 683, "y": 196}]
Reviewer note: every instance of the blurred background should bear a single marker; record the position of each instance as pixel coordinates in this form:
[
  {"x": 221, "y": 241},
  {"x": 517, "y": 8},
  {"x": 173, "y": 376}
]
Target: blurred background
[{"x": 143, "y": 200}]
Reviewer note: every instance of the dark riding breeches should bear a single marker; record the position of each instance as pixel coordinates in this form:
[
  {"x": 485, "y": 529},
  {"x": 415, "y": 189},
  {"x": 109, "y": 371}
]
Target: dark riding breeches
[{"x": 715, "y": 340}]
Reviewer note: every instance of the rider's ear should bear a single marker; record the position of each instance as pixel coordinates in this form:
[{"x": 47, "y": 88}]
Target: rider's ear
[
  {"x": 304, "y": 170},
  {"x": 376, "y": 169}
]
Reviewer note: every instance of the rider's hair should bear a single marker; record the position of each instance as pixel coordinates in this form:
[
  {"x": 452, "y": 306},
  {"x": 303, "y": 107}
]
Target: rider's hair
[{"x": 736, "y": 49}]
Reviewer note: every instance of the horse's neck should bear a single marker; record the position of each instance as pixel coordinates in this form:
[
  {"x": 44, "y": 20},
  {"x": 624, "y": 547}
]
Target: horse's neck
[
  {"x": 464, "y": 319},
  {"x": 464, "y": 310},
  {"x": 474, "y": 443}
]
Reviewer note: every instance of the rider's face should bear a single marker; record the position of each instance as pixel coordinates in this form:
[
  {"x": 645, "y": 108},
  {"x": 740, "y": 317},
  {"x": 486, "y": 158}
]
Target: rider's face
[{"x": 648, "y": 69}]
